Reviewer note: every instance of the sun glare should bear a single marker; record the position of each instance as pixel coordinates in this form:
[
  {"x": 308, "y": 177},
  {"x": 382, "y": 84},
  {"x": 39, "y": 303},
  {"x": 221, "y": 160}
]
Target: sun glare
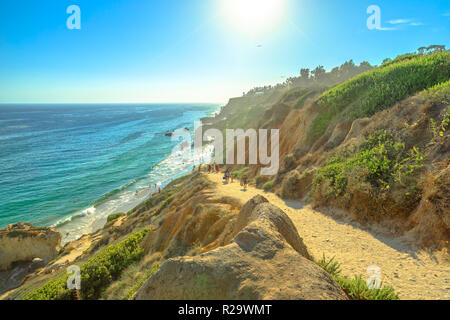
[{"x": 253, "y": 16}]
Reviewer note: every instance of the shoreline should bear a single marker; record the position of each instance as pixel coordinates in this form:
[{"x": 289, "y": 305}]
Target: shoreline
[{"x": 76, "y": 226}]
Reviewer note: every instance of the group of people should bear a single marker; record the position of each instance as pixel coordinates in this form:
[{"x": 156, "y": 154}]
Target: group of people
[{"x": 227, "y": 177}]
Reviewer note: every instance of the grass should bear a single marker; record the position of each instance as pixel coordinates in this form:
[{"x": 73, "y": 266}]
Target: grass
[
  {"x": 380, "y": 88},
  {"x": 356, "y": 288},
  {"x": 97, "y": 273},
  {"x": 132, "y": 292}
]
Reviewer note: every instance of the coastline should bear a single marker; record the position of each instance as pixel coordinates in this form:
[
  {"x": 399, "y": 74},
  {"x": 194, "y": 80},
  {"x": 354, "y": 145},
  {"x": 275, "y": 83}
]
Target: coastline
[{"x": 126, "y": 198}]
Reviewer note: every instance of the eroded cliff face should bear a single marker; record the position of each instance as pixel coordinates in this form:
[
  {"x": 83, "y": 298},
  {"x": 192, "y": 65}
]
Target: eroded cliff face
[
  {"x": 267, "y": 259},
  {"x": 22, "y": 242},
  {"x": 415, "y": 204}
]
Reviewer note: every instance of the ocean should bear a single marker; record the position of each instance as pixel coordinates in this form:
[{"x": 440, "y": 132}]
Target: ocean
[{"x": 70, "y": 166}]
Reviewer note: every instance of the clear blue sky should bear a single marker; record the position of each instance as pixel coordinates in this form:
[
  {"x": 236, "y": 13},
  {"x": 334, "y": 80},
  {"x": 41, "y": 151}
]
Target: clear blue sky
[{"x": 194, "y": 50}]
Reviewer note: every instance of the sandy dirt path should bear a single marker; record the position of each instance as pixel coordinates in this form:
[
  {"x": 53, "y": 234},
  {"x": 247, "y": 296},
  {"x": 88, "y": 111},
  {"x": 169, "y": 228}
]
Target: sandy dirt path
[{"x": 414, "y": 274}]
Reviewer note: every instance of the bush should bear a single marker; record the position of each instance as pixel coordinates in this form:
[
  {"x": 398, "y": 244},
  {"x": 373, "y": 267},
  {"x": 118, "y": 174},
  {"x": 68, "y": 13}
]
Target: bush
[
  {"x": 115, "y": 216},
  {"x": 96, "y": 273},
  {"x": 355, "y": 289},
  {"x": 383, "y": 160},
  {"x": 260, "y": 180},
  {"x": 268, "y": 186}
]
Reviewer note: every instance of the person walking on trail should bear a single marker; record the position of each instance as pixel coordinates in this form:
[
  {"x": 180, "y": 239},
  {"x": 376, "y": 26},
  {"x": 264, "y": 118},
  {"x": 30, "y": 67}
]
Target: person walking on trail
[
  {"x": 209, "y": 168},
  {"x": 193, "y": 169},
  {"x": 227, "y": 175},
  {"x": 200, "y": 168},
  {"x": 232, "y": 178},
  {"x": 244, "y": 182}
]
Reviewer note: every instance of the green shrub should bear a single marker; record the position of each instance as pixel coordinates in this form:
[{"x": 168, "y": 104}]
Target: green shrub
[
  {"x": 445, "y": 122},
  {"x": 330, "y": 265},
  {"x": 355, "y": 289},
  {"x": 384, "y": 161},
  {"x": 268, "y": 186},
  {"x": 260, "y": 180},
  {"x": 53, "y": 290},
  {"x": 115, "y": 216},
  {"x": 239, "y": 173},
  {"x": 380, "y": 88},
  {"x": 96, "y": 273}
]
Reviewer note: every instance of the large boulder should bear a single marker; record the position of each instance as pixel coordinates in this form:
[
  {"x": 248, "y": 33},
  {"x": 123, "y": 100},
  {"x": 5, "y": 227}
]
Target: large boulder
[
  {"x": 266, "y": 260},
  {"x": 22, "y": 242}
]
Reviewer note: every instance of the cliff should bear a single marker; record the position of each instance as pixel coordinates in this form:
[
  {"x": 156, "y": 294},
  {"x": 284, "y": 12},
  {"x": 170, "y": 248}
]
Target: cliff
[
  {"x": 377, "y": 154},
  {"x": 22, "y": 242}
]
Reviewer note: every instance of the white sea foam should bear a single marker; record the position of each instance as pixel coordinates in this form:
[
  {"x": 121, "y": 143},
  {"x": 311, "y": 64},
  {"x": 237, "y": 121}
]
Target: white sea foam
[{"x": 89, "y": 220}]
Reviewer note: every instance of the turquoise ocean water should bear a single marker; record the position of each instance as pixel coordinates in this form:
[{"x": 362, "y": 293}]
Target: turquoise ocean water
[{"x": 70, "y": 166}]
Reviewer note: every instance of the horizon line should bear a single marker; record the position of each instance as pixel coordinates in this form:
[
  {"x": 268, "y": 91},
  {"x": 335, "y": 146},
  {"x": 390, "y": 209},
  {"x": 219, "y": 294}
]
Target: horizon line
[{"x": 125, "y": 102}]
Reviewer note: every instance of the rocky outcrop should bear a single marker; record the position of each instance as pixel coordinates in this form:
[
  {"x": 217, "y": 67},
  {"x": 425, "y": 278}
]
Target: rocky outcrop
[
  {"x": 266, "y": 260},
  {"x": 22, "y": 242},
  {"x": 295, "y": 185}
]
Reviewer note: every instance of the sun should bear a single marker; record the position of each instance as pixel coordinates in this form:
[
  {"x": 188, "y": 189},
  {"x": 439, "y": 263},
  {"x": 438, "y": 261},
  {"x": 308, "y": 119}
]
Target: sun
[{"x": 253, "y": 17}]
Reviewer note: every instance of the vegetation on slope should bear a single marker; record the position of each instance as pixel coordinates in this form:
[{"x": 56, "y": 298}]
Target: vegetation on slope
[
  {"x": 380, "y": 88},
  {"x": 97, "y": 273},
  {"x": 381, "y": 161},
  {"x": 356, "y": 288}
]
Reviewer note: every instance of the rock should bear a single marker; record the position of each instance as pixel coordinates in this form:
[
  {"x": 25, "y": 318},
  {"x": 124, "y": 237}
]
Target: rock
[
  {"x": 23, "y": 242},
  {"x": 266, "y": 260},
  {"x": 290, "y": 186},
  {"x": 296, "y": 185}
]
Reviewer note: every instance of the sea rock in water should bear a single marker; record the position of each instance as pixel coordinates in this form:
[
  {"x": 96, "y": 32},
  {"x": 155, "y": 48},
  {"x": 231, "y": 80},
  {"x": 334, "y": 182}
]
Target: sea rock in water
[
  {"x": 266, "y": 260},
  {"x": 22, "y": 242}
]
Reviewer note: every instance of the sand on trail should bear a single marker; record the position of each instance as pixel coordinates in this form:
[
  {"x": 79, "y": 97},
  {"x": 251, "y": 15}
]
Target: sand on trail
[{"x": 415, "y": 274}]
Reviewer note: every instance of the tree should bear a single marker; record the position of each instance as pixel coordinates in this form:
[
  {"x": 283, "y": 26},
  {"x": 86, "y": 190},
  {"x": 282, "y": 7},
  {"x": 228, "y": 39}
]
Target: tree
[
  {"x": 318, "y": 73},
  {"x": 421, "y": 50},
  {"x": 365, "y": 66},
  {"x": 304, "y": 74},
  {"x": 435, "y": 48}
]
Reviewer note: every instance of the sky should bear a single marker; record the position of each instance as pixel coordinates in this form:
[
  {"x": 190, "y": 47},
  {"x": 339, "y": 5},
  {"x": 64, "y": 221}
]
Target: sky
[{"x": 195, "y": 50}]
